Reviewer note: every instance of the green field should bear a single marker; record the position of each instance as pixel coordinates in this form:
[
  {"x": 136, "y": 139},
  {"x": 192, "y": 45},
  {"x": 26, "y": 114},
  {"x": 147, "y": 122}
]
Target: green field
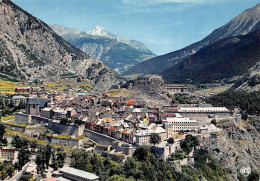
[
  {"x": 54, "y": 86},
  {"x": 7, "y": 87},
  {"x": 119, "y": 92},
  {"x": 215, "y": 90},
  {"x": 8, "y": 117}
]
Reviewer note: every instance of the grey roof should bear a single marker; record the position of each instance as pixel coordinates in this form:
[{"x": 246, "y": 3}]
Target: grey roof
[
  {"x": 18, "y": 97},
  {"x": 38, "y": 101},
  {"x": 205, "y": 105},
  {"x": 33, "y": 101},
  {"x": 80, "y": 173}
]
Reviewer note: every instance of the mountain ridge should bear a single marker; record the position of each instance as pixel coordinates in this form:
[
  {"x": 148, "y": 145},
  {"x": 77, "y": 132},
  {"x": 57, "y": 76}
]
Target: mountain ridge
[
  {"x": 115, "y": 51},
  {"x": 35, "y": 52},
  {"x": 249, "y": 19},
  {"x": 227, "y": 60}
]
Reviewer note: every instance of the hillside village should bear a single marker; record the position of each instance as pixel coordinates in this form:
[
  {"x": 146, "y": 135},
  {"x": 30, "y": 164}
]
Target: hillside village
[
  {"x": 78, "y": 105},
  {"x": 116, "y": 126}
]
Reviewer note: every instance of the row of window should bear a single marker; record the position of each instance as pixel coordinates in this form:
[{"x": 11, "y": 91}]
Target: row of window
[{"x": 182, "y": 123}]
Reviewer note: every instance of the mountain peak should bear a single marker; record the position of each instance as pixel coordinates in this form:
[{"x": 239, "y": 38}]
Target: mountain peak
[{"x": 100, "y": 31}]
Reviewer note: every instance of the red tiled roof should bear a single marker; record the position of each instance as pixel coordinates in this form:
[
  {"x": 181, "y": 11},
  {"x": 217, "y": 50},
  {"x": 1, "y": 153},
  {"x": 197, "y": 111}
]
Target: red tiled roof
[
  {"x": 130, "y": 102},
  {"x": 156, "y": 107},
  {"x": 168, "y": 114}
]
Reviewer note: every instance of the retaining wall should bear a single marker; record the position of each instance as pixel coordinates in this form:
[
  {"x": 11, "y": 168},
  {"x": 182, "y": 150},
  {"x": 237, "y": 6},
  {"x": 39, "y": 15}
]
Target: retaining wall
[
  {"x": 22, "y": 118},
  {"x": 99, "y": 138},
  {"x": 67, "y": 142},
  {"x": 65, "y": 129}
]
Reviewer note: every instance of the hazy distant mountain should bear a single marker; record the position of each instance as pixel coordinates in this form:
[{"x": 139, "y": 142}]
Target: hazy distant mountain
[
  {"x": 244, "y": 23},
  {"x": 31, "y": 50},
  {"x": 227, "y": 60},
  {"x": 115, "y": 51}
]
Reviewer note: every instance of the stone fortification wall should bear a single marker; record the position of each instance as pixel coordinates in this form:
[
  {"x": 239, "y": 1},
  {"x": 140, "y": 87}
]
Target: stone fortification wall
[
  {"x": 125, "y": 148},
  {"x": 164, "y": 152},
  {"x": 15, "y": 127},
  {"x": 22, "y": 118},
  {"x": 102, "y": 148},
  {"x": 67, "y": 142},
  {"x": 65, "y": 129},
  {"x": 99, "y": 138},
  {"x": 39, "y": 119}
]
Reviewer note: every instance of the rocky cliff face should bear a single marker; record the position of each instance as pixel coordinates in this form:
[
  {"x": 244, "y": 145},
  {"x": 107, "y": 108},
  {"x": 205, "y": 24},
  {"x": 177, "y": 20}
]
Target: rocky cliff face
[
  {"x": 115, "y": 51},
  {"x": 152, "y": 88},
  {"x": 31, "y": 50},
  {"x": 236, "y": 146},
  {"x": 250, "y": 82},
  {"x": 244, "y": 23}
]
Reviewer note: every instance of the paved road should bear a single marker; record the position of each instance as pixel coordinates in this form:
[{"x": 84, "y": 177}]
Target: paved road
[{"x": 17, "y": 176}]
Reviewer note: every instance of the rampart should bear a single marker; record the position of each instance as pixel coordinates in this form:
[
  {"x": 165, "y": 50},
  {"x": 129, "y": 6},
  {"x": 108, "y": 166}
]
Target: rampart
[
  {"x": 22, "y": 118},
  {"x": 65, "y": 129},
  {"x": 99, "y": 138},
  {"x": 67, "y": 142}
]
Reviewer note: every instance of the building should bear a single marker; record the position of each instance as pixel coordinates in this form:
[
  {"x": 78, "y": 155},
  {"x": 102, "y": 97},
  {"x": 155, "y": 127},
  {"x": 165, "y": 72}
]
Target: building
[
  {"x": 35, "y": 105},
  {"x": 17, "y": 99},
  {"x": 176, "y": 124},
  {"x": 143, "y": 137},
  {"x": 8, "y": 154},
  {"x": 22, "y": 89},
  {"x": 161, "y": 132},
  {"x": 176, "y": 89},
  {"x": 78, "y": 175},
  {"x": 46, "y": 112},
  {"x": 204, "y": 112},
  {"x": 59, "y": 113}
]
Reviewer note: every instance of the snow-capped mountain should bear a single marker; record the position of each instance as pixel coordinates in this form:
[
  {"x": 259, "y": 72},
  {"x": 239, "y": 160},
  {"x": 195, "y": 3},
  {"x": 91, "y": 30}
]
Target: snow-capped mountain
[
  {"x": 100, "y": 31},
  {"x": 115, "y": 51},
  {"x": 31, "y": 51}
]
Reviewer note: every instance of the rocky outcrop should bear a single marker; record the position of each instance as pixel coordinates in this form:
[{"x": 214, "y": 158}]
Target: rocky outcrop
[
  {"x": 33, "y": 51},
  {"x": 235, "y": 147},
  {"x": 150, "y": 88},
  {"x": 250, "y": 82}
]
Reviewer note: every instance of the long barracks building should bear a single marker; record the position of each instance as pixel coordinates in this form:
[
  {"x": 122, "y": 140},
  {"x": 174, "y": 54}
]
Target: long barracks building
[{"x": 204, "y": 112}]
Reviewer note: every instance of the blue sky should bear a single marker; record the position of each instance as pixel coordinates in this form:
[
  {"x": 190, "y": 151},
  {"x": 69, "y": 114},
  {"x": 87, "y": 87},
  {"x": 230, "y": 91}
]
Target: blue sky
[{"x": 162, "y": 25}]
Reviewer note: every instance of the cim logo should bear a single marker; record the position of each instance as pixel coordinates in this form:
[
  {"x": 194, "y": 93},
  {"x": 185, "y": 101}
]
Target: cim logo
[{"x": 245, "y": 171}]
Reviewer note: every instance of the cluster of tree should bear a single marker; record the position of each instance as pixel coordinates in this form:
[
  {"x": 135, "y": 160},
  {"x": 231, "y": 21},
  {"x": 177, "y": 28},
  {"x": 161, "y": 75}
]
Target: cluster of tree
[
  {"x": 65, "y": 121},
  {"x": 248, "y": 102},
  {"x": 78, "y": 122},
  {"x": 58, "y": 158},
  {"x": 155, "y": 138},
  {"x": 178, "y": 155},
  {"x": 183, "y": 99},
  {"x": 3, "y": 140},
  {"x": 189, "y": 142},
  {"x": 8, "y": 108},
  {"x": 43, "y": 159},
  {"x": 145, "y": 166},
  {"x": 6, "y": 169},
  {"x": 48, "y": 156},
  {"x": 22, "y": 146}
]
